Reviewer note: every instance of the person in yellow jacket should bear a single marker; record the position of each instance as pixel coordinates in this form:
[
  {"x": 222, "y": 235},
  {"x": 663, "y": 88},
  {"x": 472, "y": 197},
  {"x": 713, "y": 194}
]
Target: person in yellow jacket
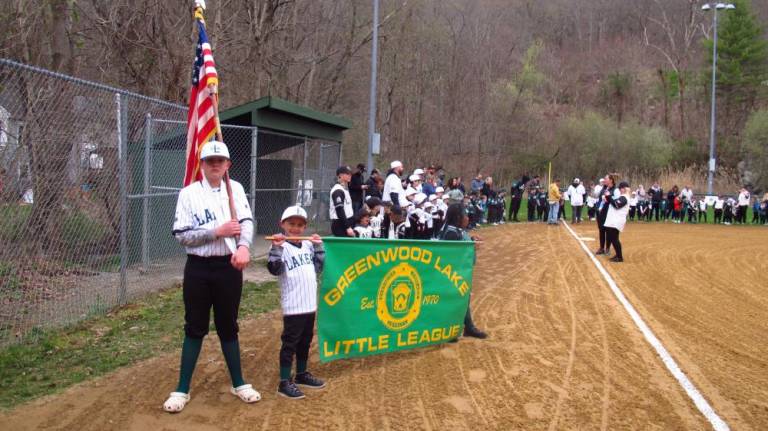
[{"x": 553, "y": 198}]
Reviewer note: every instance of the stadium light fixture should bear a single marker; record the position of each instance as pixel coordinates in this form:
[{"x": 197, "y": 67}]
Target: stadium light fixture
[{"x": 712, "y": 160}]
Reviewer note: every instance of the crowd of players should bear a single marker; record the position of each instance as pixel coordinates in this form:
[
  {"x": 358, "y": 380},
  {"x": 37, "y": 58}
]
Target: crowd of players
[
  {"x": 653, "y": 204},
  {"x": 401, "y": 205},
  {"x": 408, "y": 206}
]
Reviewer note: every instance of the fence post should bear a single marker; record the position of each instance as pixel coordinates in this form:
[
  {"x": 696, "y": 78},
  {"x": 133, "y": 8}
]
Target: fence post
[
  {"x": 122, "y": 156},
  {"x": 145, "y": 199},
  {"x": 304, "y": 175},
  {"x": 254, "y": 159}
]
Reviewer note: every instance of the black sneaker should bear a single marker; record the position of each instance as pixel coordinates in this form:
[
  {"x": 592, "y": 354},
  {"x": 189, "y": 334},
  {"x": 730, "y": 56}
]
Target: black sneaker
[
  {"x": 617, "y": 259},
  {"x": 599, "y": 252},
  {"x": 472, "y": 331},
  {"x": 289, "y": 389},
  {"x": 306, "y": 379}
]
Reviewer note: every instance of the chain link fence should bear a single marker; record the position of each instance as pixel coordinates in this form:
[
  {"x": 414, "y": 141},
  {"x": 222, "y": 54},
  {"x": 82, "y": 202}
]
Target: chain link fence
[{"x": 89, "y": 177}]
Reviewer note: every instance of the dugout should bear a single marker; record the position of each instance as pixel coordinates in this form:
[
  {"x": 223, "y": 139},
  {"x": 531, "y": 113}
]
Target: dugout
[
  {"x": 293, "y": 155},
  {"x": 282, "y": 153}
]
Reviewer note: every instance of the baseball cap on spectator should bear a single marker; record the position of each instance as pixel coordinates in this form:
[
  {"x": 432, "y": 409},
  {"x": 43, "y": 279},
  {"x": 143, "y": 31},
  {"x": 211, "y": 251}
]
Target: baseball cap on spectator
[
  {"x": 396, "y": 164},
  {"x": 214, "y": 149},
  {"x": 439, "y": 190},
  {"x": 343, "y": 170},
  {"x": 432, "y": 197},
  {"x": 410, "y": 191},
  {"x": 418, "y": 171},
  {"x": 294, "y": 211},
  {"x": 419, "y": 198},
  {"x": 414, "y": 177},
  {"x": 623, "y": 184}
]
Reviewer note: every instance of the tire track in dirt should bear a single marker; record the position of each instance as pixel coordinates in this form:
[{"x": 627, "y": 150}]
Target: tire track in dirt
[
  {"x": 562, "y": 394},
  {"x": 606, "y": 394}
]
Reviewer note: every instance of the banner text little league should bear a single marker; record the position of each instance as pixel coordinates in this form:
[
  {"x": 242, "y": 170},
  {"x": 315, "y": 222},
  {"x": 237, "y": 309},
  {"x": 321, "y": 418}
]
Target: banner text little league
[{"x": 387, "y": 342}]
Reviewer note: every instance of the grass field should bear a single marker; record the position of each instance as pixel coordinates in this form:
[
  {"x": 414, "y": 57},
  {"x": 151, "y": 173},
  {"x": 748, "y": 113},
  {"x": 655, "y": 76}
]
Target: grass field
[
  {"x": 562, "y": 353},
  {"x": 523, "y": 213},
  {"x": 147, "y": 328}
]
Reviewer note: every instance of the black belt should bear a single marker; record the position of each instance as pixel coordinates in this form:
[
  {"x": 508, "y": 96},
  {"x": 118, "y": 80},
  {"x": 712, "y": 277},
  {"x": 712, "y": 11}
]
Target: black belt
[{"x": 196, "y": 258}]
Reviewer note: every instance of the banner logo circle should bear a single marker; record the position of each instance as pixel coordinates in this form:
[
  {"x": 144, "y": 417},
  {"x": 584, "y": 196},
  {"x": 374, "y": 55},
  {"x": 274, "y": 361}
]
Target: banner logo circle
[{"x": 398, "y": 301}]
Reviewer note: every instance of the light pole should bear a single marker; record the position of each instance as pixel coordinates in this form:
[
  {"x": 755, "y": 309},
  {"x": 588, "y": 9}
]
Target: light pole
[
  {"x": 374, "y": 66},
  {"x": 712, "y": 162}
]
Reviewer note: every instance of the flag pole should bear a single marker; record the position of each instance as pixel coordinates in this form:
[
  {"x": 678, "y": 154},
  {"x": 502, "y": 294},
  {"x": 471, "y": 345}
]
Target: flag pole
[{"x": 214, "y": 94}]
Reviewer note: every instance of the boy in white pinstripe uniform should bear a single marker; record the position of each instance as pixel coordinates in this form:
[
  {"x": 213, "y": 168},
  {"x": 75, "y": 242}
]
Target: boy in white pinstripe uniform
[
  {"x": 297, "y": 264},
  {"x": 213, "y": 276}
]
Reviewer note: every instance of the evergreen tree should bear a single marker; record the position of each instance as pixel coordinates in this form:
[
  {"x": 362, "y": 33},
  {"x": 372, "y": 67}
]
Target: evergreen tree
[{"x": 742, "y": 63}]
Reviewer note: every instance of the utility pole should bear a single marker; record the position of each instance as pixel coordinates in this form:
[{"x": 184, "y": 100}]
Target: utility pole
[
  {"x": 374, "y": 66},
  {"x": 712, "y": 161}
]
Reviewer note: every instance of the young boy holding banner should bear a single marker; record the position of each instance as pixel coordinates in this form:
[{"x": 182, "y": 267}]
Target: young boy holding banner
[{"x": 296, "y": 263}]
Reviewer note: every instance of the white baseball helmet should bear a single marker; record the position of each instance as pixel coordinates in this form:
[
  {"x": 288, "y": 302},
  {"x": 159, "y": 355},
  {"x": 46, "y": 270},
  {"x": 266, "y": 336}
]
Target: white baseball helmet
[
  {"x": 214, "y": 149},
  {"x": 294, "y": 211}
]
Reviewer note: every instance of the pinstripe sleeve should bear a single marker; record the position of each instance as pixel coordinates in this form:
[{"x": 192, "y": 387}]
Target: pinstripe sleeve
[
  {"x": 185, "y": 229},
  {"x": 244, "y": 215}
]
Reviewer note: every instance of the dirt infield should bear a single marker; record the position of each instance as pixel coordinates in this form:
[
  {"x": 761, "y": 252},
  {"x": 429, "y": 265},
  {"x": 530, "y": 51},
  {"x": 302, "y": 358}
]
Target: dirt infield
[
  {"x": 702, "y": 289},
  {"x": 562, "y": 353}
]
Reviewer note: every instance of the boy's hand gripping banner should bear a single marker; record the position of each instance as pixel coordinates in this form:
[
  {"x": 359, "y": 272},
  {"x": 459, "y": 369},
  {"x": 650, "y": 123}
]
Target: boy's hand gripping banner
[{"x": 380, "y": 296}]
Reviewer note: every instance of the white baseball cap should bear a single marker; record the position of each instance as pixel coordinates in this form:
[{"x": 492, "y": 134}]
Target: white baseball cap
[
  {"x": 414, "y": 177},
  {"x": 294, "y": 211},
  {"x": 410, "y": 191},
  {"x": 439, "y": 190},
  {"x": 418, "y": 171},
  {"x": 396, "y": 164},
  {"x": 419, "y": 198},
  {"x": 214, "y": 149},
  {"x": 432, "y": 197}
]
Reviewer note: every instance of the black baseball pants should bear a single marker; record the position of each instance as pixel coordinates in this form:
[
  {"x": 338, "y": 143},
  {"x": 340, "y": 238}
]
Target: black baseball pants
[
  {"x": 575, "y": 213},
  {"x": 211, "y": 282},
  {"x": 741, "y": 217},
  {"x": 531, "y": 209},
  {"x": 612, "y": 236},
  {"x": 514, "y": 209},
  {"x": 601, "y": 215},
  {"x": 297, "y": 337}
]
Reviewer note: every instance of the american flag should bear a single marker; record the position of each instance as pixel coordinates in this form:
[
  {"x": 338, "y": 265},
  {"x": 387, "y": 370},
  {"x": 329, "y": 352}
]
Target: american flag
[{"x": 201, "y": 120}]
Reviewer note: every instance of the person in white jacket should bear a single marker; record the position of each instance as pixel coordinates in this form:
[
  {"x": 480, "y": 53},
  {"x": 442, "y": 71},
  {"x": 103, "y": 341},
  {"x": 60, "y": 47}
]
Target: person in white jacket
[
  {"x": 617, "y": 218},
  {"x": 743, "y": 200},
  {"x": 575, "y": 194},
  {"x": 393, "y": 187}
]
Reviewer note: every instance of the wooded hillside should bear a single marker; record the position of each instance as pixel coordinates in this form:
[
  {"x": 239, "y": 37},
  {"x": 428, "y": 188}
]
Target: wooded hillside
[{"x": 494, "y": 85}]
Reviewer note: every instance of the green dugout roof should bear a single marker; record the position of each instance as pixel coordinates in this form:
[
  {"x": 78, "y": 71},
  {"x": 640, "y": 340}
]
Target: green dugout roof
[{"x": 283, "y": 116}]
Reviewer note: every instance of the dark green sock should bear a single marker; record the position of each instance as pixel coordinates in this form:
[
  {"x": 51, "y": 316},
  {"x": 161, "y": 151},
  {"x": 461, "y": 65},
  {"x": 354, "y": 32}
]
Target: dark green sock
[
  {"x": 190, "y": 350},
  {"x": 301, "y": 366},
  {"x": 231, "y": 351},
  {"x": 285, "y": 373}
]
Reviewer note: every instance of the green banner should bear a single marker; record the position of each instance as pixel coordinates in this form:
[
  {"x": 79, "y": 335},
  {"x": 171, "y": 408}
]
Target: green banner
[{"x": 380, "y": 296}]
